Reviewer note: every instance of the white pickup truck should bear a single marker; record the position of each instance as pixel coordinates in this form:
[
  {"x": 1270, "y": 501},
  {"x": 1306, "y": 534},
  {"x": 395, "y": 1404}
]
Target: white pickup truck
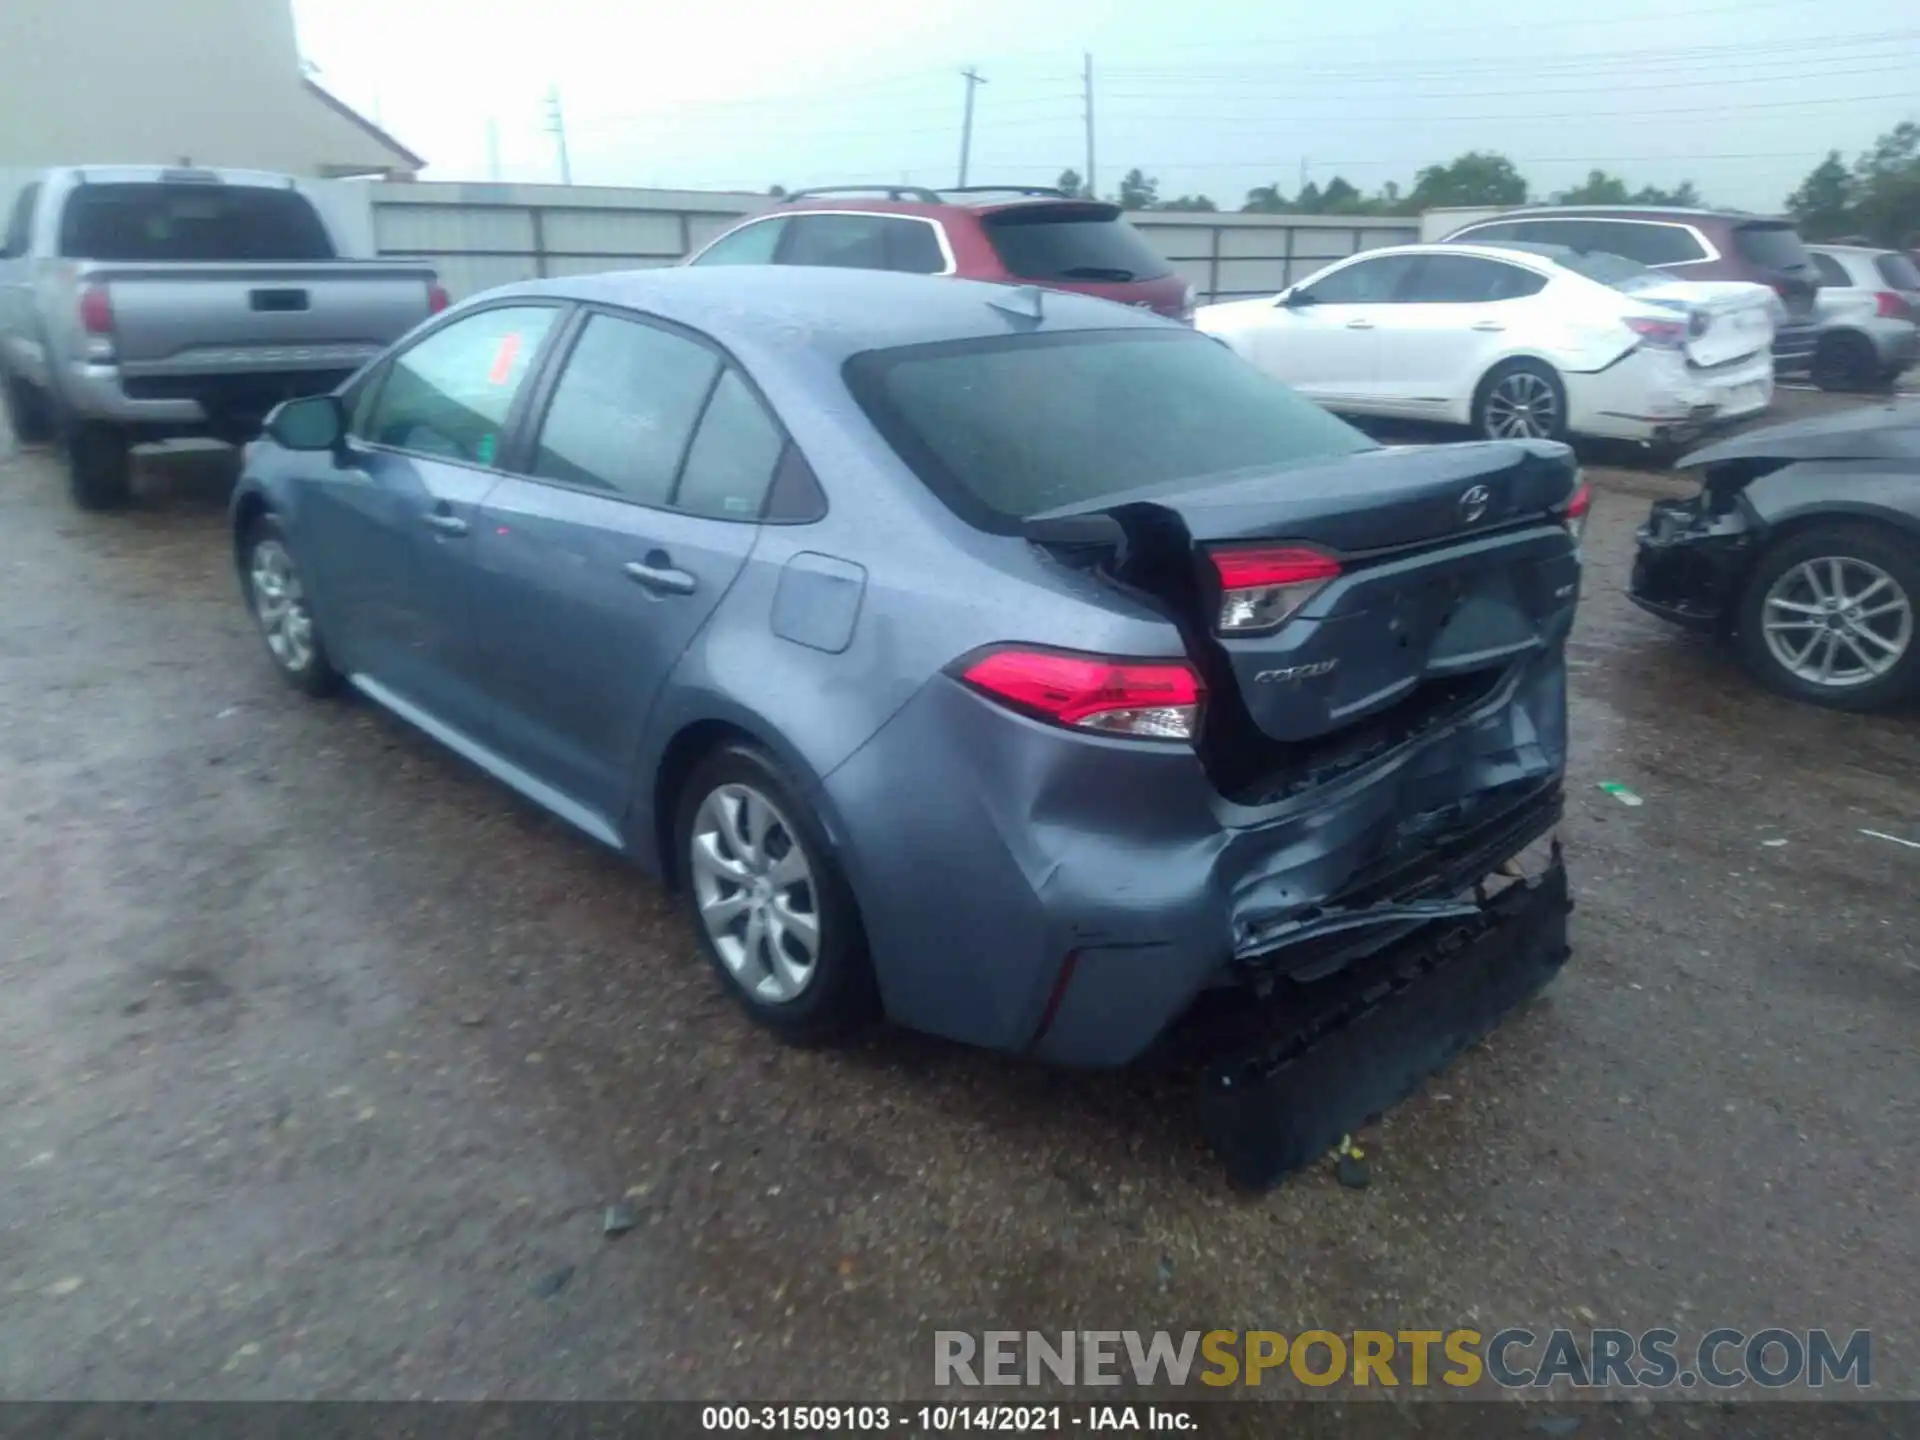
[{"x": 141, "y": 303}]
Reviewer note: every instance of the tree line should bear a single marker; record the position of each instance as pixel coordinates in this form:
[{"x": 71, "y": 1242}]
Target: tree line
[{"x": 1876, "y": 199}]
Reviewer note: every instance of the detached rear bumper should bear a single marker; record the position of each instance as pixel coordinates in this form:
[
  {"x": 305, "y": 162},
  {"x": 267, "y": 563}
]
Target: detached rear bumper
[{"x": 1364, "y": 1040}]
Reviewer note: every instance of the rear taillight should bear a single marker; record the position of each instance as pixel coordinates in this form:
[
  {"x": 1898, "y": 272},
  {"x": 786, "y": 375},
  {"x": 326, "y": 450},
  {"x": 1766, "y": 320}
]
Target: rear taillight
[
  {"x": 96, "y": 310},
  {"x": 1575, "y": 513},
  {"x": 437, "y": 299},
  {"x": 1145, "y": 699},
  {"x": 1660, "y": 334},
  {"x": 1889, "y": 306},
  {"x": 1262, "y": 585}
]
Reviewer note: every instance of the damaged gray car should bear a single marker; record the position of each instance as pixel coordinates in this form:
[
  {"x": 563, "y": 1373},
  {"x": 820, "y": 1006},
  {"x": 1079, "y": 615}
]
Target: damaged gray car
[
  {"x": 1802, "y": 546},
  {"x": 1024, "y": 668}
]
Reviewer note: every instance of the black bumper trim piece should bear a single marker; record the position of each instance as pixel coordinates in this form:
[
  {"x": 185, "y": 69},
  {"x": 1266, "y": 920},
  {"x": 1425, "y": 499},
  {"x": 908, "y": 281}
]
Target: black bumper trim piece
[{"x": 1375, "y": 1031}]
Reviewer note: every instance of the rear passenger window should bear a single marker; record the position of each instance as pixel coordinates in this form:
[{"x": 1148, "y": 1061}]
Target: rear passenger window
[
  {"x": 1645, "y": 241},
  {"x": 1465, "y": 280},
  {"x": 749, "y": 245},
  {"x": 624, "y": 408},
  {"x": 864, "y": 242},
  {"x": 732, "y": 460},
  {"x": 450, "y": 394}
]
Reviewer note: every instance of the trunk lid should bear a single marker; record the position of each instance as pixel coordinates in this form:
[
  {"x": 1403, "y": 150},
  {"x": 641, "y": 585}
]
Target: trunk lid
[
  {"x": 1451, "y": 565},
  {"x": 1779, "y": 260},
  {"x": 215, "y": 318},
  {"x": 1731, "y": 319}
]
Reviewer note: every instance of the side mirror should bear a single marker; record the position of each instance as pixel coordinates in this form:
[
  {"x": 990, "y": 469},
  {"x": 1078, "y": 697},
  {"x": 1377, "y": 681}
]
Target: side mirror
[
  {"x": 317, "y": 422},
  {"x": 1293, "y": 299}
]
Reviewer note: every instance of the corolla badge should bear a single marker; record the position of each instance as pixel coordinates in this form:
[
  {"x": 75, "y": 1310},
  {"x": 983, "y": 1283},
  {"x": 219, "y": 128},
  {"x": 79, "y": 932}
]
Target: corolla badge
[
  {"x": 1295, "y": 672},
  {"x": 1474, "y": 501}
]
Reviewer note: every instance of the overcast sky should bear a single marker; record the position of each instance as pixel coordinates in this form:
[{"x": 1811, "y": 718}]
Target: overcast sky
[{"x": 1741, "y": 96}]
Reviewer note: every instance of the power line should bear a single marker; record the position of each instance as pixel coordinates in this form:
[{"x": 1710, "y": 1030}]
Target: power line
[{"x": 1519, "y": 117}]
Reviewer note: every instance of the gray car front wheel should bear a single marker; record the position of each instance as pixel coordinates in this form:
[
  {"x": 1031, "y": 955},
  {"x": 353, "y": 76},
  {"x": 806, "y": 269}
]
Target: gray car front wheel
[
  {"x": 277, "y": 596},
  {"x": 1828, "y": 617},
  {"x": 769, "y": 903}
]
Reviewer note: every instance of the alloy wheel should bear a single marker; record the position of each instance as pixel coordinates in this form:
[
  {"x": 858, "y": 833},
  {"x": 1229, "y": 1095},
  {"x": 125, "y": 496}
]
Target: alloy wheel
[
  {"x": 280, "y": 605},
  {"x": 1837, "y": 621},
  {"x": 754, "y": 889},
  {"x": 1522, "y": 406}
]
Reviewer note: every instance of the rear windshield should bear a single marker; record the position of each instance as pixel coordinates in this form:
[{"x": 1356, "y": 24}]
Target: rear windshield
[
  {"x": 1614, "y": 270},
  {"x": 185, "y": 221},
  {"x": 1011, "y": 426},
  {"x": 1060, "y": 242},
  {"x": 1899, "y": 272},
  {"x": 1777, "y": 247}
]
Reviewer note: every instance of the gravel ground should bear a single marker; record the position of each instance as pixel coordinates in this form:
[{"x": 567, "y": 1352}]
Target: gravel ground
[{"x": 321, "y": 1056}]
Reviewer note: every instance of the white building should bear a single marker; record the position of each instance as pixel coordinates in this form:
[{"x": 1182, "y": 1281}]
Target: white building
[{"x": 161, "y": 82}]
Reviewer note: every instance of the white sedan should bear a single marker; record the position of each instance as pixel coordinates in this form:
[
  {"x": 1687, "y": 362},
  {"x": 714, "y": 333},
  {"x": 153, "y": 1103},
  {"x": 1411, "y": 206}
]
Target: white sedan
[{"x": 1515, "y": 340}]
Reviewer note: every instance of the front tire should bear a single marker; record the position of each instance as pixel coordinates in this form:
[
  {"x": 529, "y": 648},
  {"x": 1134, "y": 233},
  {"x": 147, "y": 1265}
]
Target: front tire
[
  {"x": 769, "y": 903},
  {"x": 278, "y": 599},
  {"x": 1521, "y": 400},
  {"x": 99, "y": 466},
  {"x": 1828, "y": 617}
]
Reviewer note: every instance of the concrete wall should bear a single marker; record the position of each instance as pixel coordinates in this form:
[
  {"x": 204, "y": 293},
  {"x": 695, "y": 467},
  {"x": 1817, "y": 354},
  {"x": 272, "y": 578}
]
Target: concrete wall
[
  {"x": 486, "y": 235},
  {"x": 152, "y": 81}
]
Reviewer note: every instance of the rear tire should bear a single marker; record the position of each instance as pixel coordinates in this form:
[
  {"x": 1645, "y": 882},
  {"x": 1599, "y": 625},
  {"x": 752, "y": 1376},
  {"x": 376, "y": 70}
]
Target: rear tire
[
  {"x": 29, "y": 415},
  {"x": 1521, "y": 400},
  {"x": 769, "y": 903},
  {"x": 99, "y": 466},
  {"x": 1784, "y": 618},
  {"x": 1846, "y": 363}
]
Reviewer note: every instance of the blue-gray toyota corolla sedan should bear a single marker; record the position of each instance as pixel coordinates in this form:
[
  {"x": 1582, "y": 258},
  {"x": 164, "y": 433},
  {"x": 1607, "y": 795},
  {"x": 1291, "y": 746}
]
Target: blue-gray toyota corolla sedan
[{"x": 1025, "y": 668}]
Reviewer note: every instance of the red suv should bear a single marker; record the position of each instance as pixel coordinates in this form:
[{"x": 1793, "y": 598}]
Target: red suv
[{"x": 1009, "y": 234}]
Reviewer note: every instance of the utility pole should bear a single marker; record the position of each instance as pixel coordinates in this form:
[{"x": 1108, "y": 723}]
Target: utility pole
[
  {"x": 1088, "y": 81},
  {"x": 974, "y": 80},
  {"x": 1303, "y": 172},
  {"x": 557, "y": 127},
  {"x": 493, "y": 150}
]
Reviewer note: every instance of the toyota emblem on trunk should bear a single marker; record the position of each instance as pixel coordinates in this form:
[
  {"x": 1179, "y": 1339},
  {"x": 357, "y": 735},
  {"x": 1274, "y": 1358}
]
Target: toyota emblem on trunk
[{"x": 1473, "y": 503}]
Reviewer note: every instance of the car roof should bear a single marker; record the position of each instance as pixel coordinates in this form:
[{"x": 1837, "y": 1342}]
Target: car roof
[
  {"x": 830, "y": 311},
  {"x": 1825, "y": 248},
  {"x": 1627, "y": 212},
  {"x": 944, "y": 205},
  {"x": 1488, "y": 251}
]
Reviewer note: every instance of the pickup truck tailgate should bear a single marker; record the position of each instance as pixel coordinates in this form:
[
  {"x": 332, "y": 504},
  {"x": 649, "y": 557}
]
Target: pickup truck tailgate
[{"x": 225, "y": 318}]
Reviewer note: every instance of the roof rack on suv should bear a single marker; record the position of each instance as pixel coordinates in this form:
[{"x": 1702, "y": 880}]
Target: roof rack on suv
[
  {"x": 891, "y": 192},
  {"x": 1051, "y": 192}
]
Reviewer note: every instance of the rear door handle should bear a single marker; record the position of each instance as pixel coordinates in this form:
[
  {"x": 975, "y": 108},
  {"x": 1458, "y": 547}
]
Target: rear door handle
[
  {"x": 1359, "y": 324},
  {"x": 661, "y": 579},
  {"x": 1488, "y": 325},
  {"x": 445, "y": 524}
]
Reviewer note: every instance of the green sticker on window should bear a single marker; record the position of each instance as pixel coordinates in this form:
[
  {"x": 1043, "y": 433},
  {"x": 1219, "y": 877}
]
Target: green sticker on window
[{"x": 485, "y": 449}]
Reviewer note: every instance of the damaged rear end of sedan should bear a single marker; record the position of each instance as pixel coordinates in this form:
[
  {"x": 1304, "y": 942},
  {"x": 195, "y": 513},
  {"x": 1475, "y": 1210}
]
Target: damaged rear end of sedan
[{"x": 1307, "y": 852}]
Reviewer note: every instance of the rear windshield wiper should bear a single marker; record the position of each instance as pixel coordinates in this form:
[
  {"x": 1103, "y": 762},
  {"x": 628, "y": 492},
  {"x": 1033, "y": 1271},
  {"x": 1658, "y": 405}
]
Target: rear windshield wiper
[{"x": 1096, "y": 272}]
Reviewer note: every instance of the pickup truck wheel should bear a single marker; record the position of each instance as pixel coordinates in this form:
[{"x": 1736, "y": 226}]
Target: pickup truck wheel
[
  {"x": 1828, "y": 616},
  {"x": 278, "y": 601},
  {"x": 99, "y": 466},
  {"x": 28, "y": 414}
]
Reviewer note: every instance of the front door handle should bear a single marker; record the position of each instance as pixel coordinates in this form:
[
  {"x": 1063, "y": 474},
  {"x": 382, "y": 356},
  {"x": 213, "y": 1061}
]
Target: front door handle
[
  {"x": 445, "y": 524},
  {"x": 661, "y": 579},
  {"x": 1359, "y": 324},
  {"x": 1488, "y": 325}
]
